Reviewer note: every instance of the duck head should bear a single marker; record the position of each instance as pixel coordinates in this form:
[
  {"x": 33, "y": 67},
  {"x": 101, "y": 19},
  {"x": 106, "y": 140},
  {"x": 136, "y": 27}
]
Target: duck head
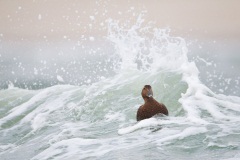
[{"x": 147, "y": 92}]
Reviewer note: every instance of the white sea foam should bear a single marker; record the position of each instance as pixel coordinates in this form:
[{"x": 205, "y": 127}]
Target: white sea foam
[
  {"x": 142, "y": 124},
  {"x": 191, "y": 131},
  {"x": 34, "y": 103},
  {"x": 71, "y": 149},
  {"x": 7, "y": 146},
  {"x": 59, "y": 78}
]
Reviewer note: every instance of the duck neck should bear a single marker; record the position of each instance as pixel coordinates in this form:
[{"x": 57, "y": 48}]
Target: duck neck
[{"x": 148, "y": 99}]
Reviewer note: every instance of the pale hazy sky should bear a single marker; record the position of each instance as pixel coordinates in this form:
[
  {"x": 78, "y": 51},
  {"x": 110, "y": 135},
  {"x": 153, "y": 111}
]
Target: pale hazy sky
[{"x": 57, "y": 19}]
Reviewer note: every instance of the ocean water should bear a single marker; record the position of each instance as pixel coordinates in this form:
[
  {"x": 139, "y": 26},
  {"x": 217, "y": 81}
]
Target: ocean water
[{"x": 81, "y": 103}]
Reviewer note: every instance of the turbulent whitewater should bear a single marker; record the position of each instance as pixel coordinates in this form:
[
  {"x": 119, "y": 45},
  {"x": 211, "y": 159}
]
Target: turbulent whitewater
[{"x": 97, "y": 118}]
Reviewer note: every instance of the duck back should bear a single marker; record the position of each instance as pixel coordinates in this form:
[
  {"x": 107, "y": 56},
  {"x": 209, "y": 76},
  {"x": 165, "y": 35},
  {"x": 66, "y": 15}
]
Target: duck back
[{"x": 150, "y": 108}]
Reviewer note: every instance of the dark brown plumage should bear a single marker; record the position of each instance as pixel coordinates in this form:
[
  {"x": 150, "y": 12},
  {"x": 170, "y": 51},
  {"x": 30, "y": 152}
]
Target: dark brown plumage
[{"x": 151, "y": 107}]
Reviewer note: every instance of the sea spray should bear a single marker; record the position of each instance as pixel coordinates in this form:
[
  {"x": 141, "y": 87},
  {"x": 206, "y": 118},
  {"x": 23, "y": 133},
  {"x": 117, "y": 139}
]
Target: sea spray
[{"x": 97, "y": 120}]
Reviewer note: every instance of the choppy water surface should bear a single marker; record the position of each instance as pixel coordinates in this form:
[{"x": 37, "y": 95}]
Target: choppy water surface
[{"x": 93, "y": 117}]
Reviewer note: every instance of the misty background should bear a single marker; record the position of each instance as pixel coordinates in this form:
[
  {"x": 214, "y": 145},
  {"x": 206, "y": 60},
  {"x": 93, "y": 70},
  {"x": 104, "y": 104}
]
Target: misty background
[{"x": 48, "y": 42}]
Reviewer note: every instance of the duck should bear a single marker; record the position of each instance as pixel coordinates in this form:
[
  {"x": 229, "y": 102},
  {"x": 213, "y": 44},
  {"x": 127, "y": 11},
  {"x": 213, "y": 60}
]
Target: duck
[{"x": 150, "y": 107}]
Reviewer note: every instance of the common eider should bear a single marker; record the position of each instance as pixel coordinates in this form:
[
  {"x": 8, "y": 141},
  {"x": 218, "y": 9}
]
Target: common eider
[{"x": 151, "y": 107}]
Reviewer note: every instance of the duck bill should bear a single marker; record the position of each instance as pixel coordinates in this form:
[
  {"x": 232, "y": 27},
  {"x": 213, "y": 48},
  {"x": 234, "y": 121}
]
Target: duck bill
[{"x": 149, "y": 94}]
